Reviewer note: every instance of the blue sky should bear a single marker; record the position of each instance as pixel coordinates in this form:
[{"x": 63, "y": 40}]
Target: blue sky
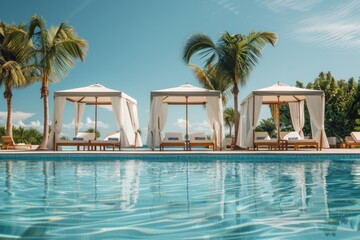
[{"x": 135, "y": 46}]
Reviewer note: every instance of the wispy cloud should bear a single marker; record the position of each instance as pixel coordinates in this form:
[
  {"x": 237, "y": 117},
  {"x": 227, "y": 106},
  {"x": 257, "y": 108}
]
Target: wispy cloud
[
  {"x": 228, "y": 5},
  {"x": 286, "y": 5},
  {"x": 16, "y": 116},
  {"x": 33, "y": 124},
  {"x": 338, "y": 26},
  {"x": 79, "y": 9},
  {"x": 202, "y": 126},
  {"x": 89, "y": 123},
  {"x": 181, "y": 123}
]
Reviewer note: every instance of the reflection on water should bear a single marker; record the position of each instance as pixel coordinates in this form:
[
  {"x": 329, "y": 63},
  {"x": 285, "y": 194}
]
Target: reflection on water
[{"x": 180, "y": 199}]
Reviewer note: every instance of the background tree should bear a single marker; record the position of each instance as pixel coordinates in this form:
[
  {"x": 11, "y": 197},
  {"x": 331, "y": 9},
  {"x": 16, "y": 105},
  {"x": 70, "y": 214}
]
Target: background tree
[
  {"x": 56, "y": 50},
  {"x": 341, "y": 104},
  {"x": 91, "y": 130},
  {"x": 24, "y": 135},
  {"x": 357, "y": 122},
  {"x": 234, "y": 56},
  {"x": 14, "y": 71},
  {"x": 267, "y": 125},
  {"x": 229, "y": 119}
]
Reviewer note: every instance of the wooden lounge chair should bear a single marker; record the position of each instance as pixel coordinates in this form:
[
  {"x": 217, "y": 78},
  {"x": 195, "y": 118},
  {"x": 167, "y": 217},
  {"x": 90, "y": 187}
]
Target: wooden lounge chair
[
  {"x": 82, "y": 139},
  {"x": 263, "y": 139},
  {"x": 8, "y": 143},
  {"x": 294, "y": 139},
  {"x": 353, "y": 140},
  {"x": 108, "y": 142},
  {"x": 200, "y": 140},
  {"x": 172, "y": 139}
]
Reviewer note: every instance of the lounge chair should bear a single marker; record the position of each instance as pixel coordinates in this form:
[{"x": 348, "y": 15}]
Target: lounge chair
[
  {"x": 8, "y": 143},
  {"x": 110, "y": 141},
  {"x": 172, "y": 139},
  {"x": 82, "y": 139},
  {"x": 294, "y": 139},
  {"x": 200, "y": 140},
  {"x": 263, "y": 139},
  {"x": 353, "y": 140}
]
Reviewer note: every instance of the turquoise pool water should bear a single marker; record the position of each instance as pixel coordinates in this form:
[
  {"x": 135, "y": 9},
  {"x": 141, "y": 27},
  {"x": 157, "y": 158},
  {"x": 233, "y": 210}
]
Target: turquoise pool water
[{"x": 180, "y": 199}]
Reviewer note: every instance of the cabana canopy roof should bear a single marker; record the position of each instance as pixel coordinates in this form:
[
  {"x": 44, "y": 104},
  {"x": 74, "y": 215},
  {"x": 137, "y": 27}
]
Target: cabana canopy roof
[
  {"x": 283, "y": 93},
  {"x": 177, "y": 95},
  {"x": 89, "y": 94}
]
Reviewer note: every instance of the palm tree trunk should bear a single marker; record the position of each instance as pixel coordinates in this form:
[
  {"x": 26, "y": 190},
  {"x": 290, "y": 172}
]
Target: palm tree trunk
[
  {"x": 8, "y": 96},
  {"x": 44, "y": 96},
  {"x": 235, "y": 92}
]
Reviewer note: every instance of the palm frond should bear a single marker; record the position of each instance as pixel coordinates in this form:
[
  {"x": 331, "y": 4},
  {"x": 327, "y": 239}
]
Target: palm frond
[{"x": 199, "y": 43}]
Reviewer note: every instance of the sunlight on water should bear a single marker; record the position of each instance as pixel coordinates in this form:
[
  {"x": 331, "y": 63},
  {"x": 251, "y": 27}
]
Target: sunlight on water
[{"x": 180, "y": 199}]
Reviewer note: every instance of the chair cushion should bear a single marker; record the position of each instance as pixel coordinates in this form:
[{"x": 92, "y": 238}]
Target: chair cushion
[
  {"x": 290, "y": 136},
  {"x": 173, "y": 139},
  {"x": 356, "y": 136},
  {"x": 78, "y": 139},
  {"x": 263, "y": 138},
  {"x": 113, "y": 139},
  {"x": 293, "y": 138},
  {"x": 200, "y": 138}
]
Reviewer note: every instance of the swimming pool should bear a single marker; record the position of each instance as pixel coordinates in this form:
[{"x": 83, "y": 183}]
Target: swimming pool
[{"x": 180, "y": 199}]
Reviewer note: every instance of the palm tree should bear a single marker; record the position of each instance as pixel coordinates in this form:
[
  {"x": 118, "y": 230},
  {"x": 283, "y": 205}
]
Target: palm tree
[
  {"x": 210, "y": 79},
  {"x": 234, "y": 56},
  {"x": 56, "y": 51},
  {"x": 14, "y": 71},
  {"x": 229, "y": 118}
]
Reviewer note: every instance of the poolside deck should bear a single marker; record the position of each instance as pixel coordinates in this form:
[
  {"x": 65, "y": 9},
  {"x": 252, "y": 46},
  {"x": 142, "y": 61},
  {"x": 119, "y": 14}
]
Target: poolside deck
[{"x": 147, "y": 152}]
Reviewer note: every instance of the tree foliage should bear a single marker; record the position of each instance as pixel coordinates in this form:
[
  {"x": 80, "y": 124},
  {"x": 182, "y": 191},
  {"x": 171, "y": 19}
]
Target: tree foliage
[
  {"x": 14, "y": 65},
  {"x": 210, "y": 78},
  {"x": 342, "y": 101},
  {"x": 234, "y": 57},
  {"x": 24, "y": 135},
  {"x": 56, "y": 50},
  {"x": 229, "y": 119},
  {"x": 267, "y": 125},
  {"x": 91, "y": 130}
]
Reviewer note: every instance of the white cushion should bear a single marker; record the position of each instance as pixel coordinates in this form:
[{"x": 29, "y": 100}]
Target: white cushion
[
  {"x": 356, "y": 136},
  {"x": 199, "y": 137},
  {"x": 259, "y": 136},
  {"x": 173, "y": 137},
  {"x": 290, "y": 136},
  {"x": 86, "y": 136}
]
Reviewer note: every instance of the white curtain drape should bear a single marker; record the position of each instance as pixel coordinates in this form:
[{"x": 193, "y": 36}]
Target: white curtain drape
[
  {"x": 135, "y": 123},
  {"x": 158, "y": 116},
  {"x": 214, "y": 110},
  {"x": 79, "y": 112},
  {"x": 128, "y": 129},
  {"x": 123, "y": 120},
  {"x": 297, "y": 116},
  {"x": 243, "y": 125},
  {"x": 316, "y": 107},
  {"x": 254, "y": 109},
  {"x": 117, "y": 110},
  {"x": 56, "y": 125}
]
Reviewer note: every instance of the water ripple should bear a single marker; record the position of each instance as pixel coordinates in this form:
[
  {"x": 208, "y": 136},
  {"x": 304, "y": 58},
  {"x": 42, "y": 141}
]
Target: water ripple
[{"x": 179, "y": 200}]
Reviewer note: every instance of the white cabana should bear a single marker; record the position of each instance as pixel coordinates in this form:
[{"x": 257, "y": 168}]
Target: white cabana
[
  {"x": 283, "y": 94},
  {"x": 123, "y": 106},
  {"x": 185, "y": 95}
]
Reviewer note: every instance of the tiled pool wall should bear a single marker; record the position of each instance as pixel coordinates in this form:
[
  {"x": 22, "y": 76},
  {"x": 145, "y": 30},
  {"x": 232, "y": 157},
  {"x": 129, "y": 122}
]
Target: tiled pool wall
[{"x": 175, "y": 156}]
